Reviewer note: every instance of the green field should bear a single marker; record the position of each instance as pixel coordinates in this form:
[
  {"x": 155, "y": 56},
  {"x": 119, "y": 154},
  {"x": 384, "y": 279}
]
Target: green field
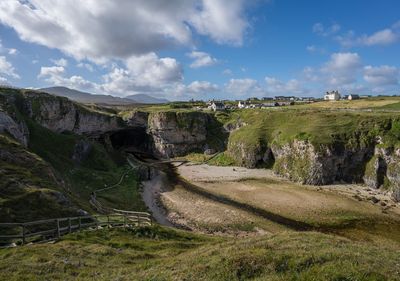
[{"x": 164, "y": 254}]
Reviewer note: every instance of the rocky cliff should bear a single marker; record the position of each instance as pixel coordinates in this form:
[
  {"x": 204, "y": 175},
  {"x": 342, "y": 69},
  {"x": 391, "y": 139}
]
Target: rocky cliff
[
  {"x": 179, "y": 133},
  {"x": 60, "y": 115},
  {"x": 363, "y": 155},
  {"x": 55, "y": 113}
]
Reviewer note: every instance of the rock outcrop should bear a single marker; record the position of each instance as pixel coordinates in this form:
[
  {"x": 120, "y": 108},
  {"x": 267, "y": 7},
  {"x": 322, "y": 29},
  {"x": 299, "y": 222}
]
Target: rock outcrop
[
  {"x": 178, "y": 133},
  {"x": 301, "y": 161},
  {"x": 18, "y": 130},
  {"x": 60, "y": 115},
  {"x": 384, "y": 170}
]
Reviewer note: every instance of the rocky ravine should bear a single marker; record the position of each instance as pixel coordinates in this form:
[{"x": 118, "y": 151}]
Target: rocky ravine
[{"x": 172, "y": 134}]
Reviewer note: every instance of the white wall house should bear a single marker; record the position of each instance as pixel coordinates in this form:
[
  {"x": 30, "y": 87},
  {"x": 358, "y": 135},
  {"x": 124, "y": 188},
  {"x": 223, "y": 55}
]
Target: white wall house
[
  {"x": 217, "y": 106},
  {"x": 243, "y": 104},
  {"x": 332, "y": 96},
  {"x": 353, "y": 97}
]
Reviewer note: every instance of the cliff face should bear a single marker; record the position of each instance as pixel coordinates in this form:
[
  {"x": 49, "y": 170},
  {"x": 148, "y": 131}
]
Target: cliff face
[
  {"x": 16, "y": 129},
  {"x": 302, "y": 162},
  {"x": 54, "y": 113},
  {"x": 178, "y": 133},
  {"x": 60, "y": 114},
  {"x": 358, "y": 158},
  {"x": 383, "y": 169}
]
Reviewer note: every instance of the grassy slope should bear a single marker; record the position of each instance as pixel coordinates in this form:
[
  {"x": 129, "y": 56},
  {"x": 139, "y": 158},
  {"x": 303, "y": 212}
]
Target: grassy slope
[
  {"x": 27, "y": 180},
  {"x": 49, "y": 151},
  {"x": 316, "y": 126},
  {"x": 164, "y": 254},
  {"x": 98, "y": 170}
]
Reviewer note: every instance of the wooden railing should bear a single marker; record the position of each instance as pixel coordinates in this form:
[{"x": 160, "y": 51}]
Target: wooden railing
[{"x": 43, "y": 230}]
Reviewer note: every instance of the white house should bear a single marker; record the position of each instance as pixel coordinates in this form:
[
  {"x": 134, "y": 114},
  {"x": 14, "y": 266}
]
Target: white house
[
  {"x": 243, "y": 104},
  {"x": 332, "y": 96},
  {"x": 217, "y": 106},
  {"x": 353, "y": 97}
]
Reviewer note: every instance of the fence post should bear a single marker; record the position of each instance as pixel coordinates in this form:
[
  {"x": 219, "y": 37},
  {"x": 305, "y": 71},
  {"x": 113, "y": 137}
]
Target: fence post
[
  {"x": 69, "y": 225},
  {"x": 138, "y": 219},
  {"x": 58, "y": 229},
  {"x": 125, "y": 221},
  {"x": 79, "y": 223},
  {"x": 23, "y": 234}
]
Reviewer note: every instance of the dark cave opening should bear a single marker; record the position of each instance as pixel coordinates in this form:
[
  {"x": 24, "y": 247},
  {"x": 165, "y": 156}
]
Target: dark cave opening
[{"x": 134, "y": 139}]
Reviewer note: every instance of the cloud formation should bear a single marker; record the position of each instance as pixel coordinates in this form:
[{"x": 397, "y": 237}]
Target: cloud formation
[
  {"x": 7, "y": 69},
  {"x": 201, "y": 59},
  {"x": 342, "y": 69},
  {"x": 244, "y": 87},
  {"x": 201, "y": 87},
  {"x": 382, "y": 37},
  {"x": 278, "y": 87},
  {"x": 381, "y": 75},
  {"x": 124, "y": 28}
]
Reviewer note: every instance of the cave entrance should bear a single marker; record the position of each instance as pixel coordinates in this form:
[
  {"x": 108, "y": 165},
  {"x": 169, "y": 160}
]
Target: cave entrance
[{"x": 132, "y": 139}]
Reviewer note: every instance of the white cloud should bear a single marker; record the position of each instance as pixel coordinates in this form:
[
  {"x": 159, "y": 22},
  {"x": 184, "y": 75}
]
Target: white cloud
[
  {"x": 201, "y": 59},
  {"x": 315, "y": 49},
  {"x": 124, "y": 28},
  {"x": 140, "y": 74},
  {"x": 87, "y": 66},
  {"x": 381, "y": 75},
  {"x": 342, "y": 69},
  {"x": 7, "y": 69},
  {"x": 321, "y": 30},
  {"x": 60, "y": 62},
  {"x": 227, "y": 72},
  {"x": 3, "y": 81},
  {"x": 382, "y": 37},
  {"x": 10, "y": 51},
  {"x": 222, "y": 20},
  {"x": 146, "y": 73},
  {"x": 55, "y": 75},
  {"x": 244, "y": 87},
  {"x": 202, "y": 87},
  {"x": 278, "y": 87}
]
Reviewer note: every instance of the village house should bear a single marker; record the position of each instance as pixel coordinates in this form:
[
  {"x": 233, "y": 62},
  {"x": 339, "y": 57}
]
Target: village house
[
  {"x": 353, "y": 97},
  {"x": 332, "y": 96},
  {"x": 243, "y": 104},
  {"x": 217, "y": 106}
]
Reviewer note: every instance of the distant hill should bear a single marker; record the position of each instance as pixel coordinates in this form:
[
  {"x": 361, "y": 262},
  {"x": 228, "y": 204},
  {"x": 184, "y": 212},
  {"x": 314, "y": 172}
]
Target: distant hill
[
  {"x": 143, "y": 98},
  {"x": 84, "y": 97}
]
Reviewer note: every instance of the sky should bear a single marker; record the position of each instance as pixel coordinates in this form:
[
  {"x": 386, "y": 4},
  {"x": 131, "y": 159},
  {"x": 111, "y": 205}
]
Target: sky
[{"x": 202, "y": 49}]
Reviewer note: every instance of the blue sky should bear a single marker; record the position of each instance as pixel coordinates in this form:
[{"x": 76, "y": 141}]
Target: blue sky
[{"x": 202, "y": 48}]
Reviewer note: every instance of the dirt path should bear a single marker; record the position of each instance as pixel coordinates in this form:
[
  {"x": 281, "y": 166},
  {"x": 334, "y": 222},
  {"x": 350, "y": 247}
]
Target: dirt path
[{"x": 151, "y": 196}]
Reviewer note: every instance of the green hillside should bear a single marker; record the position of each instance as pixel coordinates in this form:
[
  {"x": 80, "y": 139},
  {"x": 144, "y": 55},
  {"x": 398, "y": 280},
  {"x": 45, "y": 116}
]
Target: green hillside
[{"x": 165, "y": 254}]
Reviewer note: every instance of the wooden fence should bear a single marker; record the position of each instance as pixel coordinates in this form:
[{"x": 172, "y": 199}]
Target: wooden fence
[{"x": 42, "y": 230}]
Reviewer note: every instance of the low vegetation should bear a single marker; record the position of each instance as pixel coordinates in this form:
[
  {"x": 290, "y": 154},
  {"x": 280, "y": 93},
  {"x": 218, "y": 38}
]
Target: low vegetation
[{"x": 157, "y": 253}]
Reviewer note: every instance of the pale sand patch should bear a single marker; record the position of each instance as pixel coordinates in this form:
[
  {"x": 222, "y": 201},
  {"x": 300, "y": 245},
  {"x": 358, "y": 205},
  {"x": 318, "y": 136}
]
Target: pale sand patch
[
  {"x": 204, "y": 172},
  {"x": 175, "y": 206},
  {"x": 277, "y": 194}
]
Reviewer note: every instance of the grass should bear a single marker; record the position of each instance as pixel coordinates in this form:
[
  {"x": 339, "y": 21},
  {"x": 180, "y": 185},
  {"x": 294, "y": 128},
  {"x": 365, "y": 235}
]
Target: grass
[
  {"x": 125, "y": 196},
  {"x": 372, "y": 102},
  {"x": 157, "y": 253},
  {"x": 27, "y": 180},
  {"x": 100, "y": 168},
  {"x": 36, "y": 175},
  {"x": 222, "y": 159}
]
